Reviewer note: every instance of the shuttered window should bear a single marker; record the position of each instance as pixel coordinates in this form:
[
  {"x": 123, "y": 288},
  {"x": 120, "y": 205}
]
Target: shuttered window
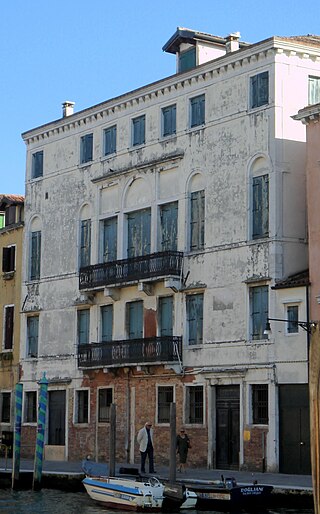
[
  {"x": 197, "y": 114},
  {"x": 83, "y": 326},
  {"x": 187, "y": 59},
  {"x": 197, "y": 220},
  {"x": 85, "y": 243},
  {"x": 86, "y": 148},
  {"x": 37, "y": 165},
  {"x": 259, "y": 90},
  {"x": 110, "y": 140},
  {"x": 35, "y": 255},
  {"x": 292, "y": 317},
  {"x": 138, "y": 130},
  {"x": 169, "y": 120},
  {"x": 105, "y": 400},
  {"x": 8, "y": 258},
  {"x": 165, "y": 398},
  {"x": 259, "y": 299},
  {"x": 195, "y": 318},
  {"x": 139, "y": 233},
  {"x": 260, "y": 207},
  {"x": 135, "y": 319},
  {"x": 313, "y": 90},
  {"x": 8, "y": 327},
  {"x": 166, "y": 316},
  {"x": 106, "y": 322},
  {"x": 32, "y": 336},
  {"x": 169, "y": 226},
  {"x": 109, "y": 239}
]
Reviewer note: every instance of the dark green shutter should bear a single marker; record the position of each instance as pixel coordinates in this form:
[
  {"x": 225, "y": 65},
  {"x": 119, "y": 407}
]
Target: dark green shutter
[
  {"x": 139, "y": 233},
  {"x": 110, "y": 239},
  {"x": 135, "y": 320},
  {"x": 169, "y": 226},
  {"x": 106, "y": 322},
  {"x": 166, "y": 315}
]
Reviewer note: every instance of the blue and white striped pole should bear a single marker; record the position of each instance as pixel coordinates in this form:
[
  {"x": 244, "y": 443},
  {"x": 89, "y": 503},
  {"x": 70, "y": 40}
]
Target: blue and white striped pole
[
  {"x": 17, "y": 436},
  {"x": 42, "y": 410}
]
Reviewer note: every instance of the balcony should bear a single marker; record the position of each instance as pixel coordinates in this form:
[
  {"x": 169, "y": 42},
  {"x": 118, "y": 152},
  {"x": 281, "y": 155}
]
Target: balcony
[
  {"x": 152, "y": 350},
  {"x": 161, "y": 264}
]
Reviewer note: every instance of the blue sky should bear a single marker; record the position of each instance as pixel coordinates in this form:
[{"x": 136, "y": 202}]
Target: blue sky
[{"x": 88, "y": 52}]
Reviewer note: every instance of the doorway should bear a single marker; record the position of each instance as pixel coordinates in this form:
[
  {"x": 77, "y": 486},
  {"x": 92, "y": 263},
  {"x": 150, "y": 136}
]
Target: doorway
[
  {"x": 57, "y": 418},
  {"x": 227, "y": 427}
]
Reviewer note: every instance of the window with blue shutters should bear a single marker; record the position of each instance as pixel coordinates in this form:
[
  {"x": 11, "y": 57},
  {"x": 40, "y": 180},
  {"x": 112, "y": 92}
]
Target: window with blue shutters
[
  {"x": 83, "y": 328},
  {"x": 86, "y": 148},
  {"x": 197, "y": 111},
  {"x": 138, "y": 130},
  {"x": 169, "y": 226},
  {"x": 85, "y": 243},
  {"x": 139, "y": 233},
  {"x": 35, "y": 255},
  {"x": 135, "y": 319},
  {"x": 195, "y": 318},
  {"x": 259, "y": 301},
  {"x": 197, "y": 220},
  {"x": 260, "y": 206},
  {"x": 187, "y": 59},
  {"x": 313, "y": 90},
  {"x": 32, "y": 336},
  {"x": 292, "y": 317},
  {"x": 106, "y": 322},
  {"x": 109, "y": 239},
  {"x": 37, "y": 165},
  {"x": 110, "y": 140},
  {"x": 169, "y": 121},
  {"x": 259, "y": 90},
  {"x": 165, "y": 316}
]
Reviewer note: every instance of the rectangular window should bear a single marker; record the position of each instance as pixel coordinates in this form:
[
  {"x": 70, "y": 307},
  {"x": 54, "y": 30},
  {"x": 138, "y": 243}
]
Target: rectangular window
[
  {"x": 86, "y": 148},
  {"x": 187, "y": 59},
  {"x": 259, "y": 90},
  {"x": 5, "y": 407},
  {"x": 194, "y": 405},
  {"x": 165, "y": 398},
  {"x": 106, "y": 322},
  {"x": 260, "y": 207},
  {"x": 8, "y": 327},
  {"x": 169, "y": 226},
  {"x": 135, "y": 319},
  {"x": 110, "y": 140},
  {"x": 8, "y": 258},
  {"x": 169, "y": 116},
  {"x": 139, "y": 233},
  {"x": 138, "y": 130},
  {"x": 313, "y": 90},
  {"x": 260, "y": 404},
  {"x": 30, "y": 407},
  {"x": 165, "y": 310},
  {"x": 37, "y": 164},
  {"x": 82, "y": 406},
  {"x": 197, "y": 111},
  {"x": 85, "y": 243},
  {"x": 109, "y": 229},
  {"x": 32, "y": 336},
  {"x": 197, "y": 220},
  {"x": 35, "y": 255},
  {"x": 259, "y": 299},
  {"x": 195, "y": 318},
  {"x": 293, "y": 317},
  {"x": 83, "y": 326},
  {"x": 105, "y": 400},
  {"x": 10, "y": 215}
]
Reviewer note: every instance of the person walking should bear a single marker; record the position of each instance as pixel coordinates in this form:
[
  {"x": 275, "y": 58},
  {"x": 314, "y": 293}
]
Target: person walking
[
  {"x": 145, "y": 440},
  {"x": 183, "y": 445}
]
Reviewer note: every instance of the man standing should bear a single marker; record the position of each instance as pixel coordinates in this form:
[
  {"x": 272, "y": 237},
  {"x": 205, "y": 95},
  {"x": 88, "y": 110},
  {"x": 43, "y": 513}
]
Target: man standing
[{"x": 145, "y": 440}]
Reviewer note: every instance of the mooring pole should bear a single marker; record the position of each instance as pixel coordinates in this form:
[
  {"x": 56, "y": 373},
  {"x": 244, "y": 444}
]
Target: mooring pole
[
  {"x": 17, "y": 437},
  {"x": 173, "y": 443},
  {"x": 38, "y": 456},
  {"x": 112, "y": 449}
]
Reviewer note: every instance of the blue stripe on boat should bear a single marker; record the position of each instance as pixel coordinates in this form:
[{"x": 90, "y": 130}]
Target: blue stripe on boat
[{"x": 115, "y": 487}]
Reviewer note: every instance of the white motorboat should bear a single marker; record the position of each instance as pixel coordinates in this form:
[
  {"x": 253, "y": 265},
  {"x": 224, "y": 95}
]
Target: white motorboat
[{"x": 190, "y": 500}]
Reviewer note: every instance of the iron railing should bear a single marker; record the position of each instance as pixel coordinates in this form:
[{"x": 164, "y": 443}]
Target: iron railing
[
  {"x": 149, "y": 350},
  {"x": 159, "y": 264}
]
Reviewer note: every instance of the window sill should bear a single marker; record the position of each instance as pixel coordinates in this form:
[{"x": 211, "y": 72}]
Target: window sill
[
  {"x": 8, "y": 275},
  {"x": 85, "y": 164}
]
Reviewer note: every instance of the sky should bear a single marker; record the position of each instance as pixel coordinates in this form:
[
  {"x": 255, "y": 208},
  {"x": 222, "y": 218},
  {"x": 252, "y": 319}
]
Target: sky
[{"x": 90, "y": 51}]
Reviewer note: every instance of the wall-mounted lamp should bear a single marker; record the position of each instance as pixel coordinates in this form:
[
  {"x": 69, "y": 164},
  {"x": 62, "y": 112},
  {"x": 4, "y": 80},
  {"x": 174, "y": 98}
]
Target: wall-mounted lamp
[{"x": 306, "y": 325}]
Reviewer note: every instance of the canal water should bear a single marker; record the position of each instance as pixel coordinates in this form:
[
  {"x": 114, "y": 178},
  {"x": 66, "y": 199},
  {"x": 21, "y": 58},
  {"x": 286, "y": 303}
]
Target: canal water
[{"x": 49, "y": 501}]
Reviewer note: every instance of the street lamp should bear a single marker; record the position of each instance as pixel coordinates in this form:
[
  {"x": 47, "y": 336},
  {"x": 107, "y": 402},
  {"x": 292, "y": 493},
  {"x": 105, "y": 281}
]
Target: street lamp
[{"x": 306, "y": 325}]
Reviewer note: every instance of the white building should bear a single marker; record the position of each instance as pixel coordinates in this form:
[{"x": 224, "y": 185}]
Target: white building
[{"x": 182, "y": 203}]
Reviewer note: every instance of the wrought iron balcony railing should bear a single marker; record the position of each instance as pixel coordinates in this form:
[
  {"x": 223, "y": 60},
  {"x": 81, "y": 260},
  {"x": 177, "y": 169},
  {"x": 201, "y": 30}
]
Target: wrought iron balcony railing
[
  {"x": 159, "y": 264},
  {"x": 150, "y": 350}
]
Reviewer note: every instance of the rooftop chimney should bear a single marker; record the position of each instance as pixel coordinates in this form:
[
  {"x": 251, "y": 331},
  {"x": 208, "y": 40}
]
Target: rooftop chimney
[
  {"x": 232, "y": 42},
  {"x": 67, "y": 109}
]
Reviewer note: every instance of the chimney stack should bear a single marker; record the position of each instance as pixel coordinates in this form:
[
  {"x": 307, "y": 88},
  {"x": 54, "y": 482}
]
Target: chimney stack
[
  {"x": 67, "y": 109},
  {"x": 232, "y": 42}
]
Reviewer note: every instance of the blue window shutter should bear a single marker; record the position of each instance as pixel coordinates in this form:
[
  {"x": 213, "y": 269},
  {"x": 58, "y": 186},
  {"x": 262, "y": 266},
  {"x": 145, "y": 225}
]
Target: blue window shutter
[
  {"x": 86, "y": 148},
  {"x": 195, "y": 318},
  {"x": 259, "y": 297},
  {"x": 169, "y": 226},
  {"x": 110, "y": 140},
  {"x": 138, "y": 125},
  {"x": 197, "y": 220},
  {"x": 139, "y": 233},
  {"x": 83, "y": 326},
  {"x": 106, "y": 322},
  {"x": 35, "y": 255},
  {"x": 135, "y": 320},
  {"x": 197, "y": 110},
  {"x": 85, "y": 243},
  {"x": 166, "y": 315},
  {"x": 259, "y": 90},
  {"x": 187, "y": 59},
  {"x": 110, "y": 239},
  {"x": 32, "y": 336},
  {"x": 169, "y": 120},
  {"x": 260, "y": 206}
]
